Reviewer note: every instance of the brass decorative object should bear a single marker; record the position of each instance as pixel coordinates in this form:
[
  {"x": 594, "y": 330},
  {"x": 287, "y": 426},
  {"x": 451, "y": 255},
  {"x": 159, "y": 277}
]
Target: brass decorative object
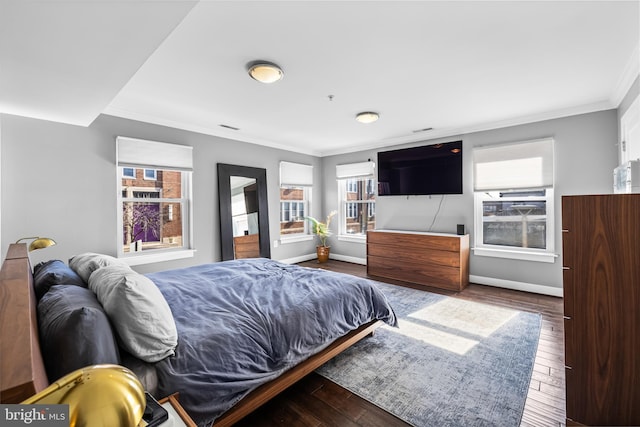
[
  {"x": 98, "y": 395},
  {"x": 38, "y": 242}
]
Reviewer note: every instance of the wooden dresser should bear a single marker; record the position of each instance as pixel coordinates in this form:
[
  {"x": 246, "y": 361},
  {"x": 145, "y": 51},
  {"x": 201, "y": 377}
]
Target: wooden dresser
[
  {"x": 247, "y": 246},
  {"x": 431, "y": 259},
  {"x": 601, "y": 274}
]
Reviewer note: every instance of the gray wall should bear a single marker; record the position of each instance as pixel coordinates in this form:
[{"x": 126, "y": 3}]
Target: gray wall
[
  {"x": 59, "y": 181},
  {"x": 584, "y": 160}
]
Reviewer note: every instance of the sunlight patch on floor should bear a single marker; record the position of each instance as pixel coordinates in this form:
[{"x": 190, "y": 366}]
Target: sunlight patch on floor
[
  {"x": 467, "y": 316},
  {"x": 444, "y": 340}
]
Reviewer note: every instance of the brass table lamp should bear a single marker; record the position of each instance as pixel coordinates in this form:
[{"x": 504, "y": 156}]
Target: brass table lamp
[
  {"x": 99, "y": 395},
  {"x": 38, "y": 242}
]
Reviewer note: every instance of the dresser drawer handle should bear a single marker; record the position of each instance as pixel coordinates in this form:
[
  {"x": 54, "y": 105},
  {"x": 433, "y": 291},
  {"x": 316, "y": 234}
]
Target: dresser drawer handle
[
  {"x": 566, "y": 317},
  {"x": 566, "y": 268}
]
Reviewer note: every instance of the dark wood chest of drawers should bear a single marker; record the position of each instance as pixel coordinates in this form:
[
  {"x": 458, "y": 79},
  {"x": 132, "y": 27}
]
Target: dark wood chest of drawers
[
  {"x": 601, "y": 275},
  {"x": 431, "y": 259}
]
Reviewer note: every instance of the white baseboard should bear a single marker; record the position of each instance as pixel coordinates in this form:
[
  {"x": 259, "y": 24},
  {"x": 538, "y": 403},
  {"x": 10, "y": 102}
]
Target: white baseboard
[
  {"x": 518, "y": 286},
  {"x": 338, "y": 257},
  {"x": 298, "y": 259},
  {"x": 351, "y": 259}
]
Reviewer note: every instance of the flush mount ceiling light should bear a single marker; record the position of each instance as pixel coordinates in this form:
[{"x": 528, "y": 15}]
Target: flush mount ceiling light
[
  {"x": 367, "y": 117},
  {"x": 264, "y": 72}
]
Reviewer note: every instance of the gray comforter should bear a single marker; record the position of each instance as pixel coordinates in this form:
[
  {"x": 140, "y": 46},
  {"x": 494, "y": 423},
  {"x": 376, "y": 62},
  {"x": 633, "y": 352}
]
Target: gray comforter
[{"x": 242, "y": 323}]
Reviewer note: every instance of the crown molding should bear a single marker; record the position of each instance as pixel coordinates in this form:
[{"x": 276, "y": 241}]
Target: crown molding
[
  {"x": 218, "y": 132},
  {"x": 406, "y": 139},
  {"x": 479, "y": 127}
]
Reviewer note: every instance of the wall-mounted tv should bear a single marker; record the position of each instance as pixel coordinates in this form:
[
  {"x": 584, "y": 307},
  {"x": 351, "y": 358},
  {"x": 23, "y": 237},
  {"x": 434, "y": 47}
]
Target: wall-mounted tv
[{"x": 428, "y": 169}]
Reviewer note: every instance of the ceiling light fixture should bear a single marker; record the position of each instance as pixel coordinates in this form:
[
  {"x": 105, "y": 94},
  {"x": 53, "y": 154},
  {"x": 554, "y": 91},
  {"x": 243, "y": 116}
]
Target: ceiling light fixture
[
  {"x": 264, "y": 71},
  {"x": 367, "y": 117}
]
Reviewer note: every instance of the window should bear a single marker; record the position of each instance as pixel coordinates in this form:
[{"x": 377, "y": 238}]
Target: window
[
  {"x": 154, "y": 205},
  {"x": 630, "y": 133},
  {"x": 295, "y": 194},
  {"x": 150, "y": 174},
  {"x": 293, "y": 210},
  {"x": 516, "y": 219},
  {"x": 514, "y": 202},
  {"x": 356, "y": 188}
]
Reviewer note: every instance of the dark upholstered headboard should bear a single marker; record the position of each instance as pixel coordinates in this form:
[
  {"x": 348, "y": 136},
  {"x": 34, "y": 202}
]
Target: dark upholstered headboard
[{"x": 22, "y": 372}]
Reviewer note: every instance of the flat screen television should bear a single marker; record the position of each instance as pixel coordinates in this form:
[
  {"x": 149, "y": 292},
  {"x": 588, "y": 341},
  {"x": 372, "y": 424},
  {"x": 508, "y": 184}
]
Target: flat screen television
[{"x": 428, "y": 169}]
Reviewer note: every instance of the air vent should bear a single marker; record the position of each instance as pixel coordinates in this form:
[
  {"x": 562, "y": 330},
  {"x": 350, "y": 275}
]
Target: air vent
[{"x": 422, "y": 130}]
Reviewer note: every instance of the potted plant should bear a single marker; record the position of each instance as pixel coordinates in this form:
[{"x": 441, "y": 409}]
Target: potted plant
[{"x": 321, "y": 229}]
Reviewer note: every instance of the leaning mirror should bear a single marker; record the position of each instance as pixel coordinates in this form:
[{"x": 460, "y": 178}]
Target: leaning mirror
[{"x": 244, "y": 219}]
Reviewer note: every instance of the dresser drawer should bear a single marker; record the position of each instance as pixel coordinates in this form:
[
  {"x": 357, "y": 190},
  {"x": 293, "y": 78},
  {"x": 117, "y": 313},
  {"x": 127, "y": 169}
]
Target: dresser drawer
[
  {"x": 414, "y": 242},
  {"x": 424, "y": 274},
  {"x": 419, "y": 255}
]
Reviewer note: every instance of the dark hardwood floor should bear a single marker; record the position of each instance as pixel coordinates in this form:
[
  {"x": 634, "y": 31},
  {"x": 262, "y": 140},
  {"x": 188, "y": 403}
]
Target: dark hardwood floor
[{"x": 316, "y": 401}]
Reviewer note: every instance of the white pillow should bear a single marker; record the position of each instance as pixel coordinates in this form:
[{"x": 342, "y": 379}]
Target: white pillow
[
  {"x": 138, "y": 311},
  {"x": 87, "y": 263}
]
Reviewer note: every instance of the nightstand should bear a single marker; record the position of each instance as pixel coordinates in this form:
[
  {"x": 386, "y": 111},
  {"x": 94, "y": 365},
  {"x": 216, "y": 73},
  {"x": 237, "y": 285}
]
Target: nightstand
[{"x": 177, "y": 415}]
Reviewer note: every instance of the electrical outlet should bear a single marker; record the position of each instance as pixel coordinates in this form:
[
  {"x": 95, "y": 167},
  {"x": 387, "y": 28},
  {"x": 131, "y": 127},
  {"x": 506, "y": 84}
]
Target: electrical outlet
[{"x": 276, "y": 243}]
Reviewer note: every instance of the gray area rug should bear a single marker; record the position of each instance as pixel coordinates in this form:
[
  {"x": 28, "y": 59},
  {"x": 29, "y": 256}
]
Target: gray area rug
[{"x": 451, "y": 362}]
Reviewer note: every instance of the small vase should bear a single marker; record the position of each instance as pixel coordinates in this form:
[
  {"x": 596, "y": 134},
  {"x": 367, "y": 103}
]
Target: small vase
[{"x": 323, "y": 253}]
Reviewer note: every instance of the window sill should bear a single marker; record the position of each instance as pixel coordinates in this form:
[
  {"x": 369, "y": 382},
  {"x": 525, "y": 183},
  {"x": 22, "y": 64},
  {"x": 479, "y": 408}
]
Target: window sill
[
  {"x": 353, "y": 238},
  {"x": 158, "y": 257},
  {"x": 519, "y": 255},
  {"x": 295, "y": 239}
]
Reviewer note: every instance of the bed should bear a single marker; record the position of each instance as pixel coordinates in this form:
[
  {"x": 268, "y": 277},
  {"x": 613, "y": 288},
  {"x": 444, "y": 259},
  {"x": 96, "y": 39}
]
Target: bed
[{"x": 221, "y": 373}]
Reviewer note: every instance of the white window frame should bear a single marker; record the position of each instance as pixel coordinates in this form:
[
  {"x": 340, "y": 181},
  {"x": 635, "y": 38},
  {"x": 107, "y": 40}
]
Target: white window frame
[
  {"x": 306, "y": 205},
  {"x": 545, "y": 177},
  {"x": 126, "y": 175},
  {"x": 137, "y": 153},
  {"x": 296, "y": 175},
  {"x": 346, "y": 175},
  {"x": 630, "y": 133},
  {"x": 300, "y": 207},
  {"x": 153, "y": 177},
  {"x": 514, "y": 252}
]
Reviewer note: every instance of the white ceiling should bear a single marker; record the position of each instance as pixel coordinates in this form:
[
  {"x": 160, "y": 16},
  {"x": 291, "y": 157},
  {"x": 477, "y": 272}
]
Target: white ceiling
[{"x": 454, "y": 66}]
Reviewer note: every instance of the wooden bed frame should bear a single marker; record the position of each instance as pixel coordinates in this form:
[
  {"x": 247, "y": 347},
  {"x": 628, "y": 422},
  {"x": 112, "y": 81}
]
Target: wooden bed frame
[{"x": 22, "y": 372}]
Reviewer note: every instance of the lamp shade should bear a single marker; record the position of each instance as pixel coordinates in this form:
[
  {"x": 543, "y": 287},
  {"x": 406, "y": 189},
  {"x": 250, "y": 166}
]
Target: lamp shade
[
  {"x": 38, "y": 242},
  {"x": 98, "y": 395}
]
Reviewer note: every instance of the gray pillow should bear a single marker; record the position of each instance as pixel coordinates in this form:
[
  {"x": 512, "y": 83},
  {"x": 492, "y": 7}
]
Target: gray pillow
[
  {"x": 87, "y": 263},
  {"x": 55, "y": 272},
  {"x": 138, "y": 312},
  {"x": 74, "y": 331}
]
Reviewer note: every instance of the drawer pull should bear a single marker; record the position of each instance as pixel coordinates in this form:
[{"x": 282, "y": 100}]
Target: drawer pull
[
  {"x": 565, "y": 230},
  {"x": 566, "y": 268},
  {"x": 566, "y": 317},
  {"x": 568, "y": 367}
]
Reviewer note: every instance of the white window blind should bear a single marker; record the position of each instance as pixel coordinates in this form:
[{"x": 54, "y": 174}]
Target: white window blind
[
  {"x": 527, "y": 164},
  {"x": 353, "y": 170},
  {"x": 295, "y": 175},
  {"x": 135, "y": 152}
]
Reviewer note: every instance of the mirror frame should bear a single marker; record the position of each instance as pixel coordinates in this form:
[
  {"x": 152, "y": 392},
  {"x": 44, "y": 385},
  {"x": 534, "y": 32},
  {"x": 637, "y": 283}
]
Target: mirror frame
[{"x": 225, "y": 172}]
